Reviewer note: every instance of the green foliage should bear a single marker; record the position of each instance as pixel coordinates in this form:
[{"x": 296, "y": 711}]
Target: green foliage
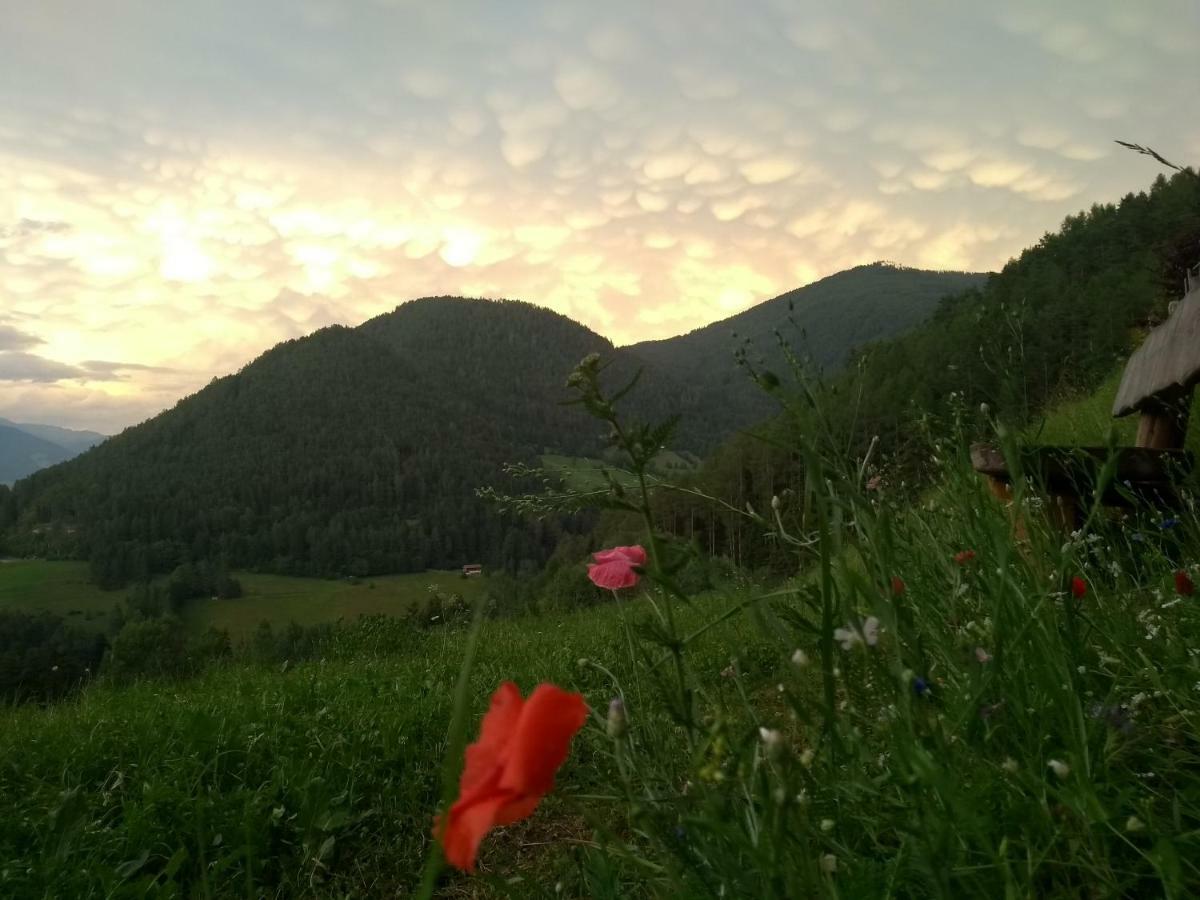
[
  {"x": 44, "y": 658},
  {"x": 154, "y": 648}
]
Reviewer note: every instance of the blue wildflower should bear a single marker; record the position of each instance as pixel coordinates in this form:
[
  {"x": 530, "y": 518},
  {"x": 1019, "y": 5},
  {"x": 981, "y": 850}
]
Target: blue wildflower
[
  {"x": 921, "y": 686},
  {"x": 1168, "y": 523}
]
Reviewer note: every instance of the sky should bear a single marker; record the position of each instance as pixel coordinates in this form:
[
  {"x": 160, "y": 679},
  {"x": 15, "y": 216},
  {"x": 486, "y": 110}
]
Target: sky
[{"x": 185, "y": 184}]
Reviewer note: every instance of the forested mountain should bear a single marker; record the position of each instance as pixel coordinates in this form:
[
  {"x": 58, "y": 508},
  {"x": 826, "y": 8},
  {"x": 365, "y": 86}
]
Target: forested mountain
[
  {"x": 358, "y": 450},
  {"x": 823, "y": 323},
  {"x": 345, "y": 451},
  {"x": 25, "y": 447},
  {"x": 353, "y": 450}
]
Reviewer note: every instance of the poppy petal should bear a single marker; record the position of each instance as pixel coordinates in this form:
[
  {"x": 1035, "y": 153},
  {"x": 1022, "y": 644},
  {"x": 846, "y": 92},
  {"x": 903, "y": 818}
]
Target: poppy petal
[
  {"x": 485, "y": 757},
  {"x": 550, "y": 719},
  {"x": 613, "y": 575},
  {"x": 517, "y": 809},
  {"x": 635, "y": 555},
  {"x": 465, "y": 827}
]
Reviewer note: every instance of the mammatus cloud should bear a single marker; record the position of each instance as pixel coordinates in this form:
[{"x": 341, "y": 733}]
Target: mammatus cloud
[{"x": 182, "y": 193}]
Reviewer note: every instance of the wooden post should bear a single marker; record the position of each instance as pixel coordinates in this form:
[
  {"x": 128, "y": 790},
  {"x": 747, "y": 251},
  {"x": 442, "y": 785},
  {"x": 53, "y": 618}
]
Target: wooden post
[{"x": 1163, "y": 426}]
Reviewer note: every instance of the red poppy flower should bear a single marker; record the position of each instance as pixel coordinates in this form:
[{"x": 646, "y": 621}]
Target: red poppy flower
[
  {"x": 1078, "y": 588},
  {"x": 898, "y": 586},
  {"x": 615, "y": 569},
  {"x": 1183, "y": 584},
  {"x": 511, "y": 767},
  {"x": 962, "y": 557}
]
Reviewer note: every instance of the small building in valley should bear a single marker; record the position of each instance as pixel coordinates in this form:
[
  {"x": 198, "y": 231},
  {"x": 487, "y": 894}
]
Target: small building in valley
[{"x": 470, "y": 570}]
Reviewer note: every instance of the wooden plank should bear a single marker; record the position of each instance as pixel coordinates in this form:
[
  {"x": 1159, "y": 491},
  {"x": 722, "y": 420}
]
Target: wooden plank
[{"x": 1167, "y": 365}]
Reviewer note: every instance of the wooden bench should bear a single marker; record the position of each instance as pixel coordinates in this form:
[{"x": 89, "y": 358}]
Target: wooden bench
[{"x": 1158, "y": 383}]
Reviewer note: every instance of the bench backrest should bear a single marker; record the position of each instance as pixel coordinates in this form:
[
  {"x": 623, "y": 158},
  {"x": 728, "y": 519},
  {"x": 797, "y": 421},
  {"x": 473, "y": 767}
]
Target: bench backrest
[{"x": 1161, "y": 374}]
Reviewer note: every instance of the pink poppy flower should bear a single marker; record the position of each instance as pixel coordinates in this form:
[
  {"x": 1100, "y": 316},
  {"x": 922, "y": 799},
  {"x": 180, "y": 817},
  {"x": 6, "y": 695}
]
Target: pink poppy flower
[{"x": 617, "y": 568}]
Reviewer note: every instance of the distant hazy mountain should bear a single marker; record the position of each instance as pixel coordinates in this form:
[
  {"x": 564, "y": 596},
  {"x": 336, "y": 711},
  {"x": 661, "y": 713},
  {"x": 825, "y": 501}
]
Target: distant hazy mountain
[
  {"x": 25, "y": 448},
  {"x": 360, "y": 449},
  {"x": 67, "y": 438},
  {"x": 822, "y": 323}
]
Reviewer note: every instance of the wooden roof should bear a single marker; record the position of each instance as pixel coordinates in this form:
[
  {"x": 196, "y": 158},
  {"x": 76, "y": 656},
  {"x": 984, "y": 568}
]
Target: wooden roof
[{"x": 1168, "y": 360}]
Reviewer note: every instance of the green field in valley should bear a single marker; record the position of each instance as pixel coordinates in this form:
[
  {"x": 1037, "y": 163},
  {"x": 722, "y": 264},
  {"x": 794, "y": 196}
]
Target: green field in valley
[
  {"x": 279, "y": 599},
  {"x": 63, "y": 588}
]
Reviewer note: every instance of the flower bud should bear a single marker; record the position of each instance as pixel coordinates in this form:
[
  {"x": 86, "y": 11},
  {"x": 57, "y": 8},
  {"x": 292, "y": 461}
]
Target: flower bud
[
  {"x": 1133, "y": 823},
  {"x": 807, "y": 757},
  {"x": 827, "y": 825},
  {"x": 828, "y": 863},
  {"x": 1059, "y": 768},
  {"x": 618, "y": 723},
  {"x": 775, "y": 503},
  {"x": 800, "y": 659}
]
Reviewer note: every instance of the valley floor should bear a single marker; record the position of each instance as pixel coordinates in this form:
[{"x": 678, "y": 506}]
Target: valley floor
[{"x": 64, "y": 588}]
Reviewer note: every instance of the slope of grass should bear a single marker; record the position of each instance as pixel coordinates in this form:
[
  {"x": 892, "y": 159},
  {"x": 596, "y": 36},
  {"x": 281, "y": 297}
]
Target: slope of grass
[
  {"x": 316, "y": 781},
  {"x": 1087, "y": 420}
]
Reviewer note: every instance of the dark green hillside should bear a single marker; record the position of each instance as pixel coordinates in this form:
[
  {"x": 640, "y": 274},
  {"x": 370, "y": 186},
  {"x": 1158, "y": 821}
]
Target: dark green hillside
[
  {"x": 349, "y": 451},
  {"x": 1054, "y": 323},
  {"x": 835, "y": 316},
  {"x": 346, "y": 451}
]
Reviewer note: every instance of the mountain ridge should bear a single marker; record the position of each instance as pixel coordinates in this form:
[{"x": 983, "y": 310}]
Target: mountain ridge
[{"x": 359, "y": 449}]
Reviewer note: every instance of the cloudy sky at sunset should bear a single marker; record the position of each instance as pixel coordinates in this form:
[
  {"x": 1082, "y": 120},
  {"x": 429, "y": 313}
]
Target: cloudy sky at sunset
[{"x": 184, "y": 184}]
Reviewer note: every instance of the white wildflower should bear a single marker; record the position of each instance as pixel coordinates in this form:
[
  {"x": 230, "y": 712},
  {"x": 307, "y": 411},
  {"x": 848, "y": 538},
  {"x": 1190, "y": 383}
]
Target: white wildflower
[
  {"x": 1059, "y": 768},
  {"x": 828, "y": 863},
  {"x": 800, "y": 659},
  {"x": 867, "y": 633},
  {"x": 772, "y": 741}
]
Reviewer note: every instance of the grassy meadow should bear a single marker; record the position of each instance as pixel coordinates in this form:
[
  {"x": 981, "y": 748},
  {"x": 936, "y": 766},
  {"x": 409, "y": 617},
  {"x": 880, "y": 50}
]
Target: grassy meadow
[
  {"x": 280, "y": 599},
  {"x": 63, "y": 587},
  {"x": 60, "y": 587}
]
